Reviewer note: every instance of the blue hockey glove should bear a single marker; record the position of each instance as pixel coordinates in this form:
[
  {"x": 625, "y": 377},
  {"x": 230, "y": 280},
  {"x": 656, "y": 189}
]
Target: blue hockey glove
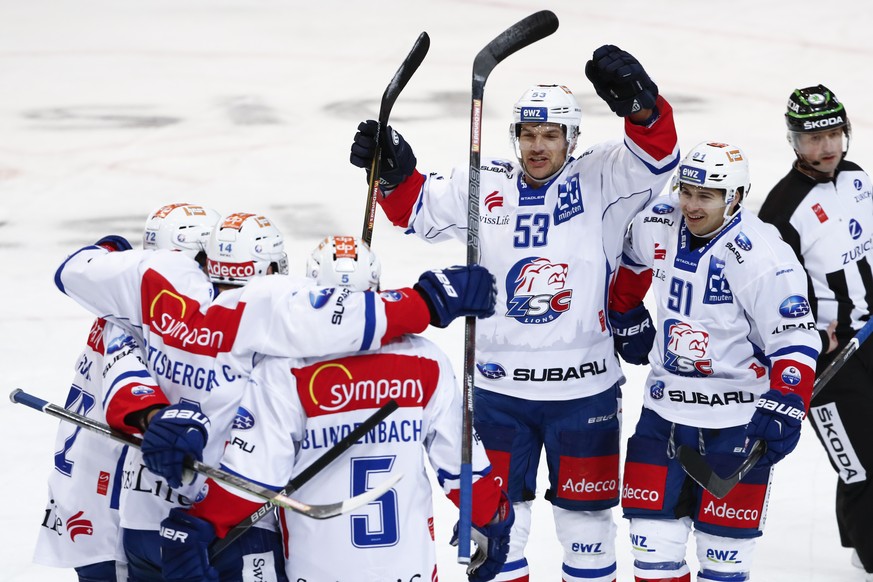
[
  {"x": 634, "y": 334},
  {"x": 776, "y": 421},
  {"x": 621, "y": 81},
  {"x": 397, "y": 160},
  {"x": 174, "y": 433},
  {"x": 458, "y": 291},
  {"x": 185, "y": 543},
  {"x": 492, "y": 541},
  {"x": 114, "y": 242}
]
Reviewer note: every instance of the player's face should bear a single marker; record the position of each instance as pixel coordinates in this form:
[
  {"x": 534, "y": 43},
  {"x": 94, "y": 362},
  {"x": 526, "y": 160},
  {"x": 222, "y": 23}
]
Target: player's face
[
  {"x": 703, "y": 208},
  {"x": 543, "y": 149},
  {"x": 822, "y": 150}
]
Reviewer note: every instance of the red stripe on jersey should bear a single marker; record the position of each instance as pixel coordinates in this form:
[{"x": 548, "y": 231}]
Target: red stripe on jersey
[
  {"x": 405, "y": 311},
  {"x": 789, "y": 376},
  {"x": 130, "y": 399},
  {"x": 222, "y": 508},
  {"x": 95, "y": 336},
  {"x": 486, "y": 499},
  {"x": 177, "y": 318},
  {"x": 629, "y": 289},
  {"x": 399, "y": 204},
  {"x": 659, "y": 139},
  {"x": 365, "y": 382}
]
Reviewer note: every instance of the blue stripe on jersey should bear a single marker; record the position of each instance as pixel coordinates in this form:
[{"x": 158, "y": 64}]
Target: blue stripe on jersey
[
  {"x": 654, "y": 169},
  {"x": 723, "y": 576},
  {"x": 275, "y": 488},
  {"x": 116, "y": 482},
  {"x": 125, "y": 376},
  {"x": 369, "y": 319},
  {"x": 58, "y": 282},
  {"x": 588, "y": 572},
  {"x": 515, "y": 565},
  {"x": 805, "y": 350},
  {"x": 443, "y": 475}
]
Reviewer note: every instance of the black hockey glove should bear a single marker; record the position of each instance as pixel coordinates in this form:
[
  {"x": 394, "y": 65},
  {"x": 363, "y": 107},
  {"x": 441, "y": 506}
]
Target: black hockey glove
[
  {"x": 492, "y": 541},
  {"x": 176, "y": 432},
  {"x": 621, "y": 81},
  {"x": 185, "y": 543},
  {"x": 634, "y": 334},
  {"x": 397, "y": 161},
  {"x": 459, "y": 291},
  {"x": 776, "y": 421}
]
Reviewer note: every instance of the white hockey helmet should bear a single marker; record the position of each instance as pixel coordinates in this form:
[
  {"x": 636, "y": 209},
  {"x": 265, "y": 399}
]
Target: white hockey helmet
[
  {"x": 244, "y": 246},
  {"x": 547, "y": 104},
  {"x": 344, "y": 261},
  {"x": 180, "y": 227},
  {"x": 720, "y": 166}
]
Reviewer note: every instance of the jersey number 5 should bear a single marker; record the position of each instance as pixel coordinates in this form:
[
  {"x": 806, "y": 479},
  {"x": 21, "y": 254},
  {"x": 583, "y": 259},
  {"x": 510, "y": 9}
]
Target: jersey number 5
[{"x": 379, "y": 528}]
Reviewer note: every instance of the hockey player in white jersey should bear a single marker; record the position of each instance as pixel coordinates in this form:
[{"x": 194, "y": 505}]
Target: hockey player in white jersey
[
  {"x": 823, "y": 208},
  {"x": 551, "y": 229},
  {"x": 733, "y": 362},
  {"x": 80, "y": 528},
  {"x": 296, "y": 408},
  {"x": 205, "y": 348}
]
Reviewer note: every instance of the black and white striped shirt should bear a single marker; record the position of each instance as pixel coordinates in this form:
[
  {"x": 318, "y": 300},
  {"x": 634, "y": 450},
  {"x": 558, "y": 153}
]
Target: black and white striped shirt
[{"x": 829, "y": 224}]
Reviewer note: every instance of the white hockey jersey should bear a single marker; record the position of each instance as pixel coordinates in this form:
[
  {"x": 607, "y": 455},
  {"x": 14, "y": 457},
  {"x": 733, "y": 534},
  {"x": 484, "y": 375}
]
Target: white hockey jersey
[
  {"x": 297, "y": 409},
  {"x": 80, "y": 523},
  {"x": 202, "y": 350},
  {"x": 733, "y": 319},
  {"x": 553, "y": 249}
]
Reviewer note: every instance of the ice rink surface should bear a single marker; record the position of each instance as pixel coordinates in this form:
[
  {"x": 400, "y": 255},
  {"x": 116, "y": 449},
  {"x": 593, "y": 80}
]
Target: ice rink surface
[{"x": 109, "y": 109}]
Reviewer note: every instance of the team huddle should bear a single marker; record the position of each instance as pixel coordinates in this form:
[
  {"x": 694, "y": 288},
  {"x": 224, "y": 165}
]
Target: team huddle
[{"x": 204, "y": 345}]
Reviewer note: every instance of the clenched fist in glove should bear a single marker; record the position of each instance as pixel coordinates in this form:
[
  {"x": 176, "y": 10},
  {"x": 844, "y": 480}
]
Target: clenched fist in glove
[
  {"x": 621, "y": 81},
  {"x": 397, "y": 162},
  {"x": 174, "y": 433},
  {"x": 459, "y": 291},
  {"x": 185, "y": 543},
  {"x": 776, "y": 421},
  {"x": 492, "y": 541},
  {"x": 634, "y": 334}
]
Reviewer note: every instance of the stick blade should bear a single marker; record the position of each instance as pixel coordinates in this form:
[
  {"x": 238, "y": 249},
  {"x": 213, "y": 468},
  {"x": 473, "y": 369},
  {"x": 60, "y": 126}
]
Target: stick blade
[
  {"x": 329, "y": 510},
  {"x": 527, "y": 31},
  {"x": 698, "y": 469},
  {"x": 404, "y": 73}
]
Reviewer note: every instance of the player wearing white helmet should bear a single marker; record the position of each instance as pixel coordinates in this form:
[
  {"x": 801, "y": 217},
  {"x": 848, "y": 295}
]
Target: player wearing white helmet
[
  {"x": 732, "y": 361},
  {"x": 823, "y": 208},
  {"x": 80, "y": 528},
  {"x": 244, "y": 246},
  {"x": 551, "y": 224},
  {"x": 344, "y": 261},
  {"x": 288, "y": 429}
]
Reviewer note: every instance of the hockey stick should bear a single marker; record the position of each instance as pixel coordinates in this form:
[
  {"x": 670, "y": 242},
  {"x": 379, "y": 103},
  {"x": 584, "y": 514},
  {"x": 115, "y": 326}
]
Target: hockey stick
[
  {"x": 407, "y": 68},
  {"x": 699, "y": 470},
  {"x": 314, "y": 511},
  {"x": 527, "y": 31},
  {"x": 308, "y": 473}
]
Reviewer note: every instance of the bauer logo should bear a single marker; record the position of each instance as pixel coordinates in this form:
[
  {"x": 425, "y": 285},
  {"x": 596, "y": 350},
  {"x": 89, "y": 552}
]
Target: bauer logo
[
  {"x": 243, "y": 420},
  {"x": 743, "y": 242},
  {"x": 534, "y": 113},
  {"x": 491, "y": 370},
  {"x": 662, "y": 209},
  {"x": 794, "y": 306},
  {"x": 691, "y": 174}
]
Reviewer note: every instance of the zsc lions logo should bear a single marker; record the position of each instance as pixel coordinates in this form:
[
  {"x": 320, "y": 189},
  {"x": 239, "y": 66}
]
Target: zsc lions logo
[
  {"x": 535, "y": 290},
  {"x": 243, "y": 420},
  {"x": 656, "y": 390},
  {"x": 662, "y": 208},
  {"x": 794, "y": 306},
  {"x": 685, "y": 352},
  {"x": 491, "y": 370}
]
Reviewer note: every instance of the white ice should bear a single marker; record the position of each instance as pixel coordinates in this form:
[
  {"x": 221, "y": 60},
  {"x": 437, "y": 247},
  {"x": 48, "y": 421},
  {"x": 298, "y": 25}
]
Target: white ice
[{"x": 109, "y": 109}]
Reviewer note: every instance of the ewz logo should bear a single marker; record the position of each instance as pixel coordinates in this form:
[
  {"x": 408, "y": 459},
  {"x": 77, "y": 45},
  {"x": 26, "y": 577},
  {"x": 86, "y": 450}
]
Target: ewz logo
[{"x": 535, "y": 290}]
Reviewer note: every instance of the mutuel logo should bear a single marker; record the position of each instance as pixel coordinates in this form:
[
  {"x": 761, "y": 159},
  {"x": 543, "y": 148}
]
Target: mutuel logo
[
  {"x": 491, "y": 370},
  {"x": 534, "y": 113},
  {"x": 794, "y": 306},
  {"x": 691, "y": 174}
]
